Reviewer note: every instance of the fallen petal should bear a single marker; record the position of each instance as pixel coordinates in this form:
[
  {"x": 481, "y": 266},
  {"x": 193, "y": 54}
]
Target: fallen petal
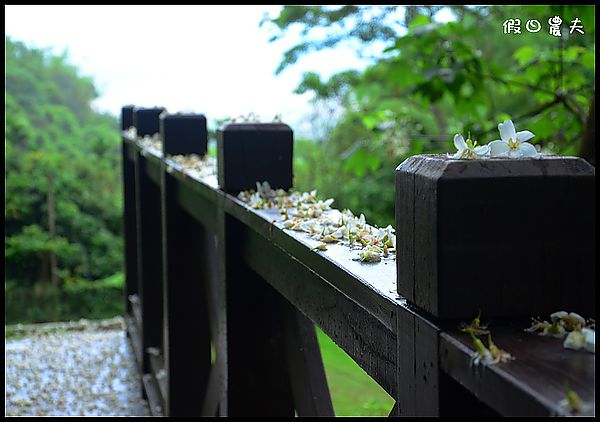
[
  {"x": 527, "y": 150},
  {"x": 459, "y": 142},
  {"x": 498, "y": 148},
  {"x": 507, "y": 131},
  {"x": 524, "y": 135}
]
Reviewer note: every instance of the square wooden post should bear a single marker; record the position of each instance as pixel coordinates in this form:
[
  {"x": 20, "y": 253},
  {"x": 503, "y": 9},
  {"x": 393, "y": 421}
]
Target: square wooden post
[
  {"x": 149, "y": 251},
  {"x": 184, "y": 133},
  {"x": 129, "y": 220},
  {"x": 264, "y": 336},
  {"x": 145, "y": 120},
  {"x": 187, "y": 268},
  {"x": 254, "y": 152},
  {"x": 508, "y": 237}
]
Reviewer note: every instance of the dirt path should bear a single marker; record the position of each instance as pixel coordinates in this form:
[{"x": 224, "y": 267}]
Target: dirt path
[{"x": 83, "y": 368}]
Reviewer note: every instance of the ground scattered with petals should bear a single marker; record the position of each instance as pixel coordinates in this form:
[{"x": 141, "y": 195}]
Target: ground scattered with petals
[{"x": 72, "y": 373}]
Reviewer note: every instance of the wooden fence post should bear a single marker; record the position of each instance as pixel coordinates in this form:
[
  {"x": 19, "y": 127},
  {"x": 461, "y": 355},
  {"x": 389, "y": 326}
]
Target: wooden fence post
[
  {"x": 261, "y": 336},
  {"x": 149, "y": 242},
  {"x": 145, "y": 120},
  {"x": 129, "y": 221},
  {"x": 186, "y": 265},
  {"x": 509, "y": 238}
]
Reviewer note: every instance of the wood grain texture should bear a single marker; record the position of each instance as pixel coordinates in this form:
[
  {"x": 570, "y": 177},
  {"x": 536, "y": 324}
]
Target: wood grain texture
[
  {"x": 532, "y": 384},
  {"x": 368, "y": 341},
  {"x": 243, "y": 151},
  {"x": 258, "y": 379},
  {"x": 149, "y": 252},
  {"x": 406, "y": 397},
  {"x": 126, "y": 117},
  {"x": 358, "y": 305},
  {"x": 307, "y": 374},
  {"x": 488, "y": 231},
  {"x": 129, "y": 225},
  {"x": 183, "y": 134},
  {"x": 145, "y": 120},
  {"x": 405, "y": 233},
  {"x": 186, "y": 348}
]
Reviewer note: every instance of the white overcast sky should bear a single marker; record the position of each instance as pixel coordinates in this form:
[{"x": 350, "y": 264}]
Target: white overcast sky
[
  {"x": 214, "y": 60},
  {"x": 210, "y": 59}
]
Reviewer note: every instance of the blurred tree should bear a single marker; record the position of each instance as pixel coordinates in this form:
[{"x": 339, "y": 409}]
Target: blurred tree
[
  {"x": 62, "y": 180},
  {"x": 435, "y": 79}
]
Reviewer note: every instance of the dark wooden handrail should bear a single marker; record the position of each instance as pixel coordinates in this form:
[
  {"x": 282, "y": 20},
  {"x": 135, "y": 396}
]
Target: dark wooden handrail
[{"x": 222, "y": 302}]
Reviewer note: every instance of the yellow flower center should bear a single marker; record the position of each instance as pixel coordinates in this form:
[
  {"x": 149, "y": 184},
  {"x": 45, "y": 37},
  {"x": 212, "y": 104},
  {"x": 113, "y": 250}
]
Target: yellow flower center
[
  {"x": 513, "y": 144},
  {"x": 468, "y": 154}
]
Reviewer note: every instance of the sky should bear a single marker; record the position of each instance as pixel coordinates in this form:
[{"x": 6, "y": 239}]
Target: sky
[{"x": 214, "y": 60}]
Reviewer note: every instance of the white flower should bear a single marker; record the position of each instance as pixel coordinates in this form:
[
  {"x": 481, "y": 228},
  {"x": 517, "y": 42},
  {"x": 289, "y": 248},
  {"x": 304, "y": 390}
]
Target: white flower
[
  {"x": 513, "y": 143},
  {"x": 263, "y": 188},
  {"x": 467, "y": 150},
  {"x": 584, "y": 339},
  {"x": 256, "y": 201},
  {"x": 361, "y": 221},
  {"x": 575, "y": 340},
  {"x": 369, "y": 254}
]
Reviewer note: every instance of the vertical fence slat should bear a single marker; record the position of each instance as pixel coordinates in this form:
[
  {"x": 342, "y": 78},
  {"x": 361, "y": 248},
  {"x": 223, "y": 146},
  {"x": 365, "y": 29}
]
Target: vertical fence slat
[
  {"x": 186, "y": 265},
  {"x": 258, "y": 379},
  {"x": 472, "y": 238},
  {"x": 307, "y": 374},
  {"x": 129, "y": 220},
  {"x": 197, "y": 287},
  {"x": 149, "y": 243}
]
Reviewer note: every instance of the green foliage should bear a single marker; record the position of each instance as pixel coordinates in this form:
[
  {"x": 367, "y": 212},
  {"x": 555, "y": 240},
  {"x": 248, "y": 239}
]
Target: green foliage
[
  {"x": 353, "y": 392},
  {"x": 78, "y": 299},
  {"x": 434, "y": 80},
  {"x": 63, "y": 170}
]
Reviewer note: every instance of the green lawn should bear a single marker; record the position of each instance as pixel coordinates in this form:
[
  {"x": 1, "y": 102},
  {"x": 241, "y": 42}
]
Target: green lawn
[{"x": 353, "y": 392}]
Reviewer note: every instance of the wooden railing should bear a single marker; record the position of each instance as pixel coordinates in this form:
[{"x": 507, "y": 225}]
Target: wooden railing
[{"x": 222, "y": 300}]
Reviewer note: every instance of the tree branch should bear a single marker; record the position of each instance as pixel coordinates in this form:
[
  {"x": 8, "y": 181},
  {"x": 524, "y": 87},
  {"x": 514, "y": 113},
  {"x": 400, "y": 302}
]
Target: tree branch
[
  {"x": 588, "y": 144},
  {"x": 529, "y": 114}
]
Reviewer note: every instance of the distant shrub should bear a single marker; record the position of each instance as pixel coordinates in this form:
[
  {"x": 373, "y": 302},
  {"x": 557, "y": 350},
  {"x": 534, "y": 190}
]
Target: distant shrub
[{"x": 78, "y": 299}]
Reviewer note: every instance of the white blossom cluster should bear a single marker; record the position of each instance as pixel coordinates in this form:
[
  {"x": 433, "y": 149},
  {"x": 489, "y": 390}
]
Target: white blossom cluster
[
  {"x": 151, "y": 144},
  {"x": 303, "y": 212},
  {"x": 146, "y": 142},
  {"x": 131, "y": 132},
  {"x": 578, "y": 333},
  {"x": 512, "y": 144},
  {"x": 202, "y": 166},
  {"x": 484, "y": 355}
]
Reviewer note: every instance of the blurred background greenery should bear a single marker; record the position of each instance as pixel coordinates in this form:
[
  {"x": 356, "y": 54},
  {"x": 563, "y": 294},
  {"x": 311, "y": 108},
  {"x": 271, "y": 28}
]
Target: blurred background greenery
[{"x": 63, "y": 198}]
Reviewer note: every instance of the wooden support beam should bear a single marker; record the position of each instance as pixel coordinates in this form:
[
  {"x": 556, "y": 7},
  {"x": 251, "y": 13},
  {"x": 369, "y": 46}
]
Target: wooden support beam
[
  {"x": 186, "y": 249},
  {"x": 149, "y": 253},
  {"x": 269, "y": 345},
  {"x": 261, "y": 284},
  {"x": 129, "y": 226},
  {"x": 307, "y": 374}
]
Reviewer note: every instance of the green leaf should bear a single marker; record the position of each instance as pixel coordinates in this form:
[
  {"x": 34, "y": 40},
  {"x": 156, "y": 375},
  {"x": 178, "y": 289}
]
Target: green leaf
[
  {"x": 360, "y": 162},
  {"x": 419, "y": 20},
  {"x": 525, "y": 54},
  {"x": 588, "y": 59},
  {"x": 573, "y": 52},
  {"x": 370, "y": 121}
]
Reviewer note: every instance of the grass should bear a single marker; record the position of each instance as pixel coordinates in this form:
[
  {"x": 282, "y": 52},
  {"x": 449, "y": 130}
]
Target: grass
[{"x": 353, "y": 392}]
